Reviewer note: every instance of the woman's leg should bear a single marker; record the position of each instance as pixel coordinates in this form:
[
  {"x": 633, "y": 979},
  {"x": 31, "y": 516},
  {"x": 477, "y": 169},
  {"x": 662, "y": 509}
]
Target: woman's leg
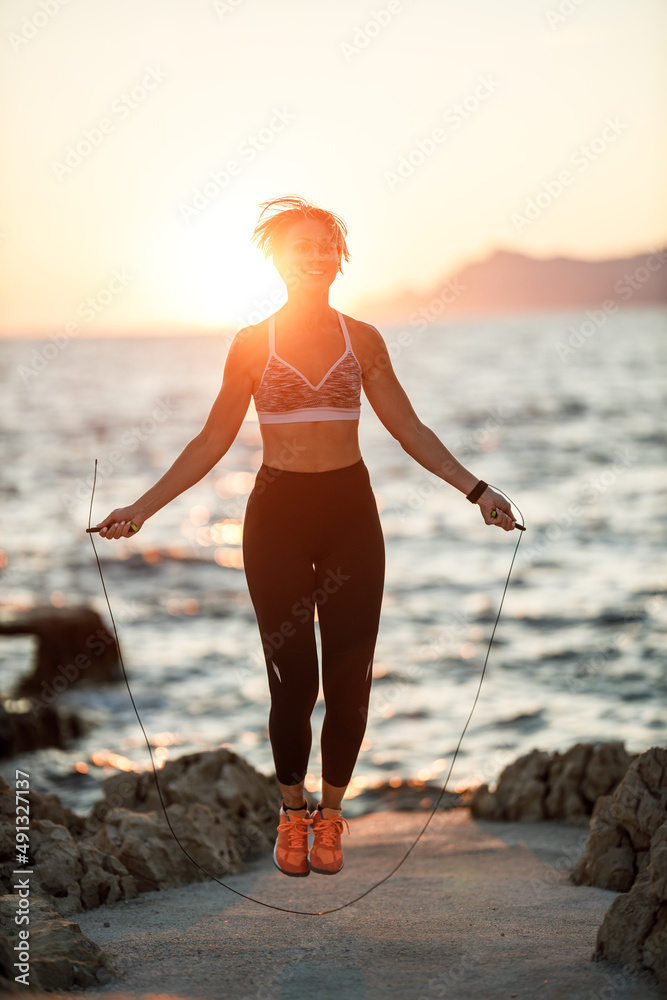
[
  {"x": 331, "y": 797},
  {"x": 349, "y": 574},
  {"x": 349, "y": 582},
  {"x": 281, "y": 581},
  {"x": 293, "y": 796}
]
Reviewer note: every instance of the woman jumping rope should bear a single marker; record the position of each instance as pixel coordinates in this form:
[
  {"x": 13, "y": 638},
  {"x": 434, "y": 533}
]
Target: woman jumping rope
[{"x": 311, "y": 535}]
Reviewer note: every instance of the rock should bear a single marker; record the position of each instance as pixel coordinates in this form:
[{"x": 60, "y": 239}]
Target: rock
[
  {"x": 641, "y": 799},
  {"x": 219, "y": 807},
  {"x": 41, "y": 807},
  {"x": 626, "y": 851},
  {"x": 605, "y": 767},
  {"x": 7, "y": 970},
  {"x": 49, "y": 807},
  {"x": 540, "y": 786},
  {"x": 623, "y": 825},
  {"x": 634, "y": 918},
  {"x": 61, "y": 956},
  {"x": 217, "y": 778},
  {"x": 580, "y": 776},
  {"x": 609, "y": 861},
  {"x": 144, "y": 845},
  {"x": 634, "y": 931},
  {"x": 74, "y": 647},
  {"x": 658, "y": 866},
  {"x": 26, "y": 725},
  {"x": 654, "y": 953},
  {"x": 69, "y": 873},
  {"x": 74, "y": 876},
  {"x": 484, "y": 804},
  {"x": 520, "y": 791}
]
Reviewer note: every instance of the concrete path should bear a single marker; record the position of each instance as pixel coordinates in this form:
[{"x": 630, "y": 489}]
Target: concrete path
[{"x": 478, "y": 911}]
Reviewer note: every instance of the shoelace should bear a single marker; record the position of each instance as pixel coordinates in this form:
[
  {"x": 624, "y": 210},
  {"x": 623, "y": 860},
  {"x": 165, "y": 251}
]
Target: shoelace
[
  {"x": 329, "y": 828},
  {"x": 293, "y": 829}
]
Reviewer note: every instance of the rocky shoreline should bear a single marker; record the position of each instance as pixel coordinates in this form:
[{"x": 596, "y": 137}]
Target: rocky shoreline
[
  {"x": 626, "y": 851},
  {"x": 220, "y": 808},
  {"x": 541, "y": 786}
]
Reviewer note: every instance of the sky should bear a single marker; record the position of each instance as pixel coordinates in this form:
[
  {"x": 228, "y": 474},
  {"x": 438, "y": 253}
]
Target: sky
[{"x": 140, "y": 136}]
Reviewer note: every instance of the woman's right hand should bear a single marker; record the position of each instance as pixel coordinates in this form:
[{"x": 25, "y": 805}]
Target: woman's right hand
[{"x": 119, "y": 523}]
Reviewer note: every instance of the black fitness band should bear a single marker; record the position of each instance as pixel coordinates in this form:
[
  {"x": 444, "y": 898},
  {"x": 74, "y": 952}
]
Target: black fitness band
[{"x": 476, "y": 491}]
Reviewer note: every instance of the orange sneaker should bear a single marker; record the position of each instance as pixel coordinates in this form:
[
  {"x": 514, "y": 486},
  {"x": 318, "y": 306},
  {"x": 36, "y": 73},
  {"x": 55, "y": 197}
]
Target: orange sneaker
[
  {"x": 290, "y": 853},
  {"x": 326, "y": 854}
]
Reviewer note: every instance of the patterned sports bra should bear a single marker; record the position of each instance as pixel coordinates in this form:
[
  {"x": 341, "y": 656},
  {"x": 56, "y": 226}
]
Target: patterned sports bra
[{"x": 285, "y": 396}]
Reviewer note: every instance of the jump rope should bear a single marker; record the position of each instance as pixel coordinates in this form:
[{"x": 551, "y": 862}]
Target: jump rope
[{"x": 261, "y": 902}]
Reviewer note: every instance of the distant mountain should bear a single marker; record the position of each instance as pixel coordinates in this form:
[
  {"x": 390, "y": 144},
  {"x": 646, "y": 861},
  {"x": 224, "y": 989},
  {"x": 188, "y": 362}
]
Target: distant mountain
[{"x": 508, "y": 282}]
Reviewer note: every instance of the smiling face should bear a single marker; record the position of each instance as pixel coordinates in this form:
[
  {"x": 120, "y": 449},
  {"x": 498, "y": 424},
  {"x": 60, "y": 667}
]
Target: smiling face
[{"x": 308, "y": 255}]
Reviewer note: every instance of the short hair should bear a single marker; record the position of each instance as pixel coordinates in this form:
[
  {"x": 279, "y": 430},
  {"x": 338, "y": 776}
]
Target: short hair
[{"x": 268, "y": 234}]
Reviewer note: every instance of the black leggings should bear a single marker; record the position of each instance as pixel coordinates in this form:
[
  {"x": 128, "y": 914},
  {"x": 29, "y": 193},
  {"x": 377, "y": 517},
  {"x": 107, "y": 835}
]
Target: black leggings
[{"x": 314, "y": 538}]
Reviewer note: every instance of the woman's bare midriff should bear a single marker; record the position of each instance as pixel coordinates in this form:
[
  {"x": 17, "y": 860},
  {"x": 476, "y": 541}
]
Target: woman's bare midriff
[{"x": 316, "y": 446}]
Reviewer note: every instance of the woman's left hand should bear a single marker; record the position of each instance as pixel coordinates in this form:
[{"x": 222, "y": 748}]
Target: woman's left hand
[{"x": 491, "y": 501}]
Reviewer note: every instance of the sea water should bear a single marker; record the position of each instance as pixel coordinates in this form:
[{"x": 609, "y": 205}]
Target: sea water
[{"x": 575, "y": 437}]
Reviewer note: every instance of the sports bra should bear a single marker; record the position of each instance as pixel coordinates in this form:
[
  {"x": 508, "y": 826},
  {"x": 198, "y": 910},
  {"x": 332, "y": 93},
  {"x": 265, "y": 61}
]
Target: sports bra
[{"x": 285, "y": 396}]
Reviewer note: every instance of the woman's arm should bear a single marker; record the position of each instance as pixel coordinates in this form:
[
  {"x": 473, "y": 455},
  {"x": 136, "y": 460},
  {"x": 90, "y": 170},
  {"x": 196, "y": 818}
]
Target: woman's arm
[
  {"x": 390, "y": 402},
  {"x": 200, "y": 454}
]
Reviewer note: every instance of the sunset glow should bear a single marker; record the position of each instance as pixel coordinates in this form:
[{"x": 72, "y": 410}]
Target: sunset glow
[{"x": 433, "y": 129}]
